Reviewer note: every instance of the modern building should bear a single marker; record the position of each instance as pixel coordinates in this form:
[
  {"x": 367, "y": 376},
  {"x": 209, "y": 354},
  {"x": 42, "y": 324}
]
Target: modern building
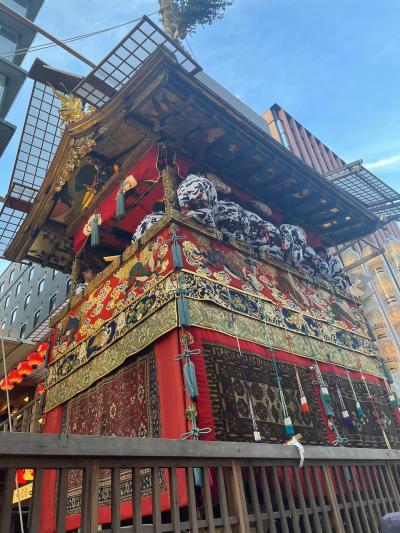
[
  {"x": 29, "y": 294},
  {"x": 375, "y": 281},
  {"x": 13, "y": 36}
]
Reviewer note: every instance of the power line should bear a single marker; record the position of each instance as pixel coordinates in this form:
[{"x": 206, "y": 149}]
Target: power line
[{"x": 43, "y": 46}]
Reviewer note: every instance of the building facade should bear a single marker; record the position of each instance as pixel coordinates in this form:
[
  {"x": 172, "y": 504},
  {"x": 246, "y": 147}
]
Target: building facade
[
  {"x": 376, "y": 282},
  {"x": 28, "y": 295},
  {"x": 14, "y": 36}
]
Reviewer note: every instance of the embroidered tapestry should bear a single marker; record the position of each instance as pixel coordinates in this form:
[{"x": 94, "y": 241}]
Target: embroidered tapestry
[
  {"x": 123, "y": 404},
  {"x": 366, "y": 432},
  {"x": 227, "y": 371}
]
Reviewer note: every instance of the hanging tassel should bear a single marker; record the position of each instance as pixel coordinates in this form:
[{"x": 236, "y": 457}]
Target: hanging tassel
[
  {"x": 177, "y": 255},
  {"x": 326, "y": 402},
  {"x": 289, "y": 429},
  {"x": 95, "y": 234},
  {"x": 393, "y": 400},
  {"x": 198, "y": 481},
  {"x": 183, "y": 312},
  {"x": 257, "y": 436},
  {"x": 189, "y": 371},
  {"x": 305, "y": 408},
  {"x": 359, "y": 410},
  {"x": 347, "y": 421},
  {"x": 386, "y": 371},
  {"x": 326, "y": 397},
  {"x": 120, "y": 204}
]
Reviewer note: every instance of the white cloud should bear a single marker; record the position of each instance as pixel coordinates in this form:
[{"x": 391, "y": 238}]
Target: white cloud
[{"x": 384, "y": 162}]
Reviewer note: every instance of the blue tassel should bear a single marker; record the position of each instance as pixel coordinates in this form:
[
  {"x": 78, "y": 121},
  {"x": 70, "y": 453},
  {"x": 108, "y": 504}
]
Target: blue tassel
[
  {"x": 189, "y": 372},
  {"x": 347, "y": 421},
  {"x": 177, "y": 255},
  {"x": 386, "y": 371},
  {"x": 289, "y": 429},
  {"x": 198, "y": 481},
  {"x": 183, "y": 312},
  {"x": 327, "y": 405},
  {"x": 95, "y": 235},
  {"x": 359, "y": 410},
  {"x": 393, "y": 400},
  {"x": 120, "y": 207}
]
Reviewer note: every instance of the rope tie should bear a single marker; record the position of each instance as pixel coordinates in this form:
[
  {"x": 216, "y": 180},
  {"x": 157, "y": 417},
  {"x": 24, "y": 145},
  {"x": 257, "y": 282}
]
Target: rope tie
[{"x": 196, "y": 433}]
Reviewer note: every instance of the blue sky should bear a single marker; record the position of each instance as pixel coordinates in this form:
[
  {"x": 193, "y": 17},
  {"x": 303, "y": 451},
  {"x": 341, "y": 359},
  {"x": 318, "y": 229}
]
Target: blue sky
[{"x": 335, "y": 66}]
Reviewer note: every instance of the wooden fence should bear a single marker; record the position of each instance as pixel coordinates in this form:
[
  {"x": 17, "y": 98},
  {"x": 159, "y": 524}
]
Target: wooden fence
[
  {"x": 213, "y": 486},
  {"x": 25, "y": 419}
]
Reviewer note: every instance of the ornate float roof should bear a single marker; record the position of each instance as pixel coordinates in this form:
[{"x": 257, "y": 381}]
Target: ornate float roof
[{"x": 163, "y": 101}]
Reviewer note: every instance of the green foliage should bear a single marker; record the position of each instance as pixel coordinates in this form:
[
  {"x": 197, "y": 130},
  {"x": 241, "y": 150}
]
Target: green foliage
[{"x": 194, "y": 12}]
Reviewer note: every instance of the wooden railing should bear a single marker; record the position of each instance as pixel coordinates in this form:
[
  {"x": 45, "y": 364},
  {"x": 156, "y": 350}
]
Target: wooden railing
[
  {"x": 213, "y": 486},
  {"x": 26, "y": 419}
]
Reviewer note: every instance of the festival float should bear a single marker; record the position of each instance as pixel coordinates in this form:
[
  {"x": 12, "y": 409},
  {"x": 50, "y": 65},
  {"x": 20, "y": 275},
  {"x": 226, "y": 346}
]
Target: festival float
[{"x": 204, "y": 302}]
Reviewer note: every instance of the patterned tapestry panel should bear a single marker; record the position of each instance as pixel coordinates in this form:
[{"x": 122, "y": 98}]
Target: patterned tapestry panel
[
  {"x": 78, "y": 377},
  {"x": 208, "y": 316},
  {"x": 133, "y": 278},
  {"x": 124, "y": 404},
  {"x": 366, "y": 432},
  {"x": 281, "y": 287},
  {"x": 226, "y": 373}
]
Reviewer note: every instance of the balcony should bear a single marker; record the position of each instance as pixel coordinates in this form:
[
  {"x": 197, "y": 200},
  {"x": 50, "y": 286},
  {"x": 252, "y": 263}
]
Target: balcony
[{"x": 210, "y": 486}]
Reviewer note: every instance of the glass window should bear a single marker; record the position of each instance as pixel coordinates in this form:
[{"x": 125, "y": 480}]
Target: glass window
[
  {"x": 68, "y": 284},
  {"x": 22, "y": 331},
  {"x": 36, "y": 317},
  {"x": 54, "y": 273},
  {"x": 3, "y": 324},
  {"x": 52, "y": 302},
  {"x": 20, "y": 6},
  {"x": 8, "y": 43},
  {"x": 31, "y": 272},
  {"x": 18, "y": 289},
  {"x": 13, "y": 315},
  {"x": 3, "y": 84},
  {"x": 12, "y": 274},
  {"x": 2, "y": 287},
  {"x": 27, "y": 300},
  {"x": 40, "y": 286},
  {"x": 6, "y": 302}
]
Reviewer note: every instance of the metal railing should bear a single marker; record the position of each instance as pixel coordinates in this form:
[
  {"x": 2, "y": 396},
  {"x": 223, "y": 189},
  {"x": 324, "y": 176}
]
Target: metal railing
[
  {"x": 212, "y": 486},
  {"x": 25, "y": 419}
]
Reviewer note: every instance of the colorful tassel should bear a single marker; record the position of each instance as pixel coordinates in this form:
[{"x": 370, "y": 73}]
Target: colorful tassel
[
  {"x": 289, "y": 429},
  {"x": 189, "y": 371},
  {"x": 305, "y": 408},
  {"x": 327, "y": 403},
  {"x": 177, "y": 255},
  {"x": 393, "y": 400},
  {"x": 198, "y": 481},
  {"x": 183, "y": 312},
  {"x": 326, "y": 397},
  {"x": 347, "y": 421},
  {"x": 95, "y": 234},
  {"x": 120, "y": 204},
  {"x": 359, "y": 410},
  {"x": 257, "y": 436}
]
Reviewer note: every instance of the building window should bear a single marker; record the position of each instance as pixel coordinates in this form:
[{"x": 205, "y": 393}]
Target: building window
[
  {"x": 18, "y": 289},
  {"x": 20, "y": 6},
  {"x": 3, "y": 85},
  {"x": 54, "y": 273},
  {"x": 68, "y": 284},
  {"x": 40, "y": 286},
  {"x": 52, "y": 302},
  {"x": 13, "y": 315},
  {"x": 12, "y": 274},
  {"x": 27, "y": 300},
  {"x": 22, "y": 331},
  {"x": 36, "y": 317},
  {"x": 6, "y": 301},
  {"x": 31, "y": 272},
  {"x": 2, "y": 287},
  {"x": 8, "y": 43}
]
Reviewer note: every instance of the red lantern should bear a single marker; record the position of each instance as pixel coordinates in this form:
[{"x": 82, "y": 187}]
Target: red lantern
[
  {"x": 5, "y": 384},
  {"x": 34, "y": 359},
  {"x": 42, "y": 348},
  {"x": 20, "y": 477},
  {"x": 40, "y": 389},
  {"x": 24, "y": 368},
  {"x": 14, "y": 377}
]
